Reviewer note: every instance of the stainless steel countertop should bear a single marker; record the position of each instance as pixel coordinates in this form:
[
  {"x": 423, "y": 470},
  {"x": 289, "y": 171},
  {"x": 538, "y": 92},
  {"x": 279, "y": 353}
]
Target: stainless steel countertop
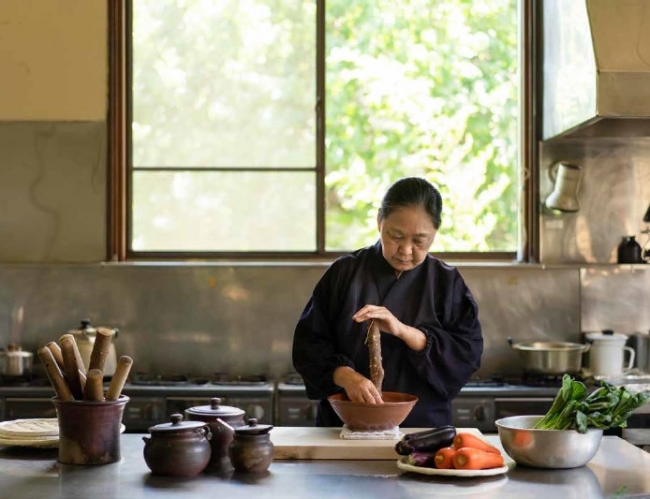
[{"x": 34, "y": 473}]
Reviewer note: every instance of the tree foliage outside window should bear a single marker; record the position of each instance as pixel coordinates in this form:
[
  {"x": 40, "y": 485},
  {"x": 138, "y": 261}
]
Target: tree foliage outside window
[{"x": 224, "y": 121}]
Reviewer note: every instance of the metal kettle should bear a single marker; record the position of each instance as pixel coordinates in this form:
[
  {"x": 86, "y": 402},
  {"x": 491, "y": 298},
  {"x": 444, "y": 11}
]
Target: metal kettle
[
  {"x": 640, "y": 342},
  {"x": 85, "y": 338}
]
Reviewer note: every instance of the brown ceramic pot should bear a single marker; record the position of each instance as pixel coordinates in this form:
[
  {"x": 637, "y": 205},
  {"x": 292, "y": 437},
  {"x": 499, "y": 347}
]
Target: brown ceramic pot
[
  {"x": 178, "y": 448},
  {"x": 251, "y": 450},
  {"x": 222, "y": 435}
]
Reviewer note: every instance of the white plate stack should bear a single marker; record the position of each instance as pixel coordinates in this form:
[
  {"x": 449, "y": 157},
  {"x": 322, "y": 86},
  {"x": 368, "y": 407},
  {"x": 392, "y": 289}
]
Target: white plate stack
[{"x": 30, "y": 432}]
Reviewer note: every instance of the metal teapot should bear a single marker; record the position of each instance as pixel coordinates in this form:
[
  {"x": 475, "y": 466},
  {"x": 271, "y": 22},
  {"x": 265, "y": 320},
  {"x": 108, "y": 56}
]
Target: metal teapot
[{"x": 85, "y": 338}]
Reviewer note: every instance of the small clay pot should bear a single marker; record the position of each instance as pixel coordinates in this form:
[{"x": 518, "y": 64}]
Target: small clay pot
[
  {"x": 251, "y": 450},
  {"x": 178, "y": 448},
  {"x": 222, "y": 435}
]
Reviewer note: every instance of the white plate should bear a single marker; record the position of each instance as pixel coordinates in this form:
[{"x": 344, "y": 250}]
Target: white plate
[
  {"x": 44, "y": 442},
  {"x": 403, "y": 465},
  {"x": 29, "y": 428}
]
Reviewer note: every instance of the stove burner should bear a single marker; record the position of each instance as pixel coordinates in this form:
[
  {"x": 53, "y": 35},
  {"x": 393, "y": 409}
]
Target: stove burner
[
  {"x": 546, "y": 380},
  {"x": 293, "y": 379},
  {"x": 26, "y": 380},
  {"x": 225, "y": 379},
  {"x": 491, "y": 380},
  {"x": 140, "y": 378}
]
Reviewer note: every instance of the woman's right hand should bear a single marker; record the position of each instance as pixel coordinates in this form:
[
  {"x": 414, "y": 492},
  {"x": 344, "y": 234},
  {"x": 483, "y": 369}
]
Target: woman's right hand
[{"x": 357, "y": 387}]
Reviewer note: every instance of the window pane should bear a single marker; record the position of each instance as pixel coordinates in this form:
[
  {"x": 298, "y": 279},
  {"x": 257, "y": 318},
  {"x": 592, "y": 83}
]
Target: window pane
[
  {"x": 218, "y": 211},
  {"x": 228, "y": 83},
  {"x": 423, "y": 88}
]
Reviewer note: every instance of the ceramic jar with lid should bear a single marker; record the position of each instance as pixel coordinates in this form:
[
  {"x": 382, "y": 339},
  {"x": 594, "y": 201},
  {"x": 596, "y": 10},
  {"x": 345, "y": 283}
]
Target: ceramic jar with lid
[
  {"x": 251, "y": 450},
  {"x": 178, "y": 448},
  {"x": 222, "y": 435}
]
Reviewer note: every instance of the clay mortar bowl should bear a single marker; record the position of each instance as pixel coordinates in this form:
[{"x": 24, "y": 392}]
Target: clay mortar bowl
[{"x": 361, "y": 416}]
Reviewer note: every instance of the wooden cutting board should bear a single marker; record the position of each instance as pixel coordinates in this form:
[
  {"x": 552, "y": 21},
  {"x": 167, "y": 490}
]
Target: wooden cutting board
[{"x": 325, "y": 443}]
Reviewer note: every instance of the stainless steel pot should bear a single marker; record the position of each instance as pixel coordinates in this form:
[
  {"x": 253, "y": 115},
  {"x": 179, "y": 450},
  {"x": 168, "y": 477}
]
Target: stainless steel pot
[
  {"x": 550, "y": 357},
  {"x": 15, "y": 362}
]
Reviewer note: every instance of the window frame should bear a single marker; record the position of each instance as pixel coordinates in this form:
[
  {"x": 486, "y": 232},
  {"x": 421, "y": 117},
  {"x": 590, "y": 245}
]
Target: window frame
[{"x": 120, "y": 168}]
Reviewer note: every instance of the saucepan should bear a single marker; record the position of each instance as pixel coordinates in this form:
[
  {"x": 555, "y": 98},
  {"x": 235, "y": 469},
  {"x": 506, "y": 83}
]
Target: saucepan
[
  {"x": 550, "y": 357},
  {"x": 15, "y": 362}
]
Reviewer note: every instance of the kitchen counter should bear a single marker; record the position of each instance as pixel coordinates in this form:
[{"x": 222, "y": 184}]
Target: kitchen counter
[{"x": 618, "y": 470}]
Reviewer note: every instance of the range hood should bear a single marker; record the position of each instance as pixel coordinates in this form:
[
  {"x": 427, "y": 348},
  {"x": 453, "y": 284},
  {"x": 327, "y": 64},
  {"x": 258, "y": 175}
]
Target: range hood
[{"x": 596, "y": 76}]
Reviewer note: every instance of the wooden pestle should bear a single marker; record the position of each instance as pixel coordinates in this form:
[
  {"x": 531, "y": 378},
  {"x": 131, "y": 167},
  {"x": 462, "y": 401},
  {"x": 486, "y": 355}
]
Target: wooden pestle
[
  {"x": 119, "y": 377},
  {"x": 94, "y": 389},
  {"x": 54, "y": 373},
  {"x": 56, "y": 351},
  {"x": 101, "y": 349},
  {"x": 80, "y": 363},
  {"x": 71, "y": 360}
]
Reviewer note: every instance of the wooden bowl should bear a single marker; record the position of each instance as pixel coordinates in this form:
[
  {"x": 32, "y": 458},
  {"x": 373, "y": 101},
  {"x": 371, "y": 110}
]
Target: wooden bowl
[{"x": 373, "y": 417}]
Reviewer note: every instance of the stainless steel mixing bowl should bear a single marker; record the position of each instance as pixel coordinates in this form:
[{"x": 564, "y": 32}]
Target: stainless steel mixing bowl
[{"x": 546, "y": 448}]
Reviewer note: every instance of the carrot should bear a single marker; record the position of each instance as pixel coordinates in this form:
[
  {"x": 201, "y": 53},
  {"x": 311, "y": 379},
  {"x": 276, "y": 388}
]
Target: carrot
[
  {"x": 469, "y": 440},
  {"x": 444, "y": 458},
  {"x": 468, "y": 458}
]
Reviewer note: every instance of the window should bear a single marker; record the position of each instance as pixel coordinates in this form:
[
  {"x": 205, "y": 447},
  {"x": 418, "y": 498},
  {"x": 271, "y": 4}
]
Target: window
[{"x": 273, "y": 127}]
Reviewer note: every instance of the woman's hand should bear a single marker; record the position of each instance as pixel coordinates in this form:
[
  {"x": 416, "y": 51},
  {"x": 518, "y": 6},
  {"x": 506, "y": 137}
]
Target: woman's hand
[
  {"x": 383, "y": 317},
  {"x": 388, "y": 323},
  {"x": 357, "y": 387}
]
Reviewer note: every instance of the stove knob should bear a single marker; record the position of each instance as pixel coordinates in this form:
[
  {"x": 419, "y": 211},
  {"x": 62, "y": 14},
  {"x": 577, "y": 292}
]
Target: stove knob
[
  {"x": 480, "y": 414},
  {"x": 311, "y": 412}
]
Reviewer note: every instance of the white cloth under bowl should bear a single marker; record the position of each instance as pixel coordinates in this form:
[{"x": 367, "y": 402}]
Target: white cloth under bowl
[{"x": 390, "y": 434}]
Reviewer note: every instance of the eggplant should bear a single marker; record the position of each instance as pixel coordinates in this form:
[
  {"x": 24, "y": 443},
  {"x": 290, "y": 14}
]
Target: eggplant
[
  {"x": 403, "y": 448},
  {"x": 428, "y": 441},
  {"x": 425, "y": 433},
  {"x": 422, "y": 459}
]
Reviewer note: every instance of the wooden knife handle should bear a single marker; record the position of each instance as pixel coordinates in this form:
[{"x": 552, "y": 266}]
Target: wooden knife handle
[
  {"x": 101, "y": 348},
  {"x": 56, "y": 351},
  {"x": 119, "y": 377},
  {"x": 94, "y": 389},
  {"x": 54, "y": 373},
  {"x": 71, "y": 366}
]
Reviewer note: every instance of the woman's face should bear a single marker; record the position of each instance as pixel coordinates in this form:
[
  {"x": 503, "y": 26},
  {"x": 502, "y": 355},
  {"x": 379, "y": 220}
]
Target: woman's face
[{"x": 406, "y": 236}]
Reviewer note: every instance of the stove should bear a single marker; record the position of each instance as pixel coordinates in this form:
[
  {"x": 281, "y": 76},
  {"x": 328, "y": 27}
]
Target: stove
[
  {"x": 483, "y": 400},
  {"x": 153, "y": 398},
  {"x": 293, "y": 406}
]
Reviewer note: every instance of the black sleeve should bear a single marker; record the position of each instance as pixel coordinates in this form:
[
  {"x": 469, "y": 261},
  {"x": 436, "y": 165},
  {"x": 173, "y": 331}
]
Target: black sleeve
[
  {"x": 315, "y": 355},
  {"x": 454, "y": 342}
]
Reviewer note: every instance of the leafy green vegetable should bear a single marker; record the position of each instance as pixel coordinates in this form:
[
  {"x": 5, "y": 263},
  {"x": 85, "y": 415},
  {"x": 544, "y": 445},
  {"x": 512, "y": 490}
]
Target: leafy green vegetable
[{"x": 606, "y": 407}]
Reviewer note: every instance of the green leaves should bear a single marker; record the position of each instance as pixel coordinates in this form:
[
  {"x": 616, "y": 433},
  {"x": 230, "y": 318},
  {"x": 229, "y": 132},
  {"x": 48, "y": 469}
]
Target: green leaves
[{"x": 606, "y": 407}]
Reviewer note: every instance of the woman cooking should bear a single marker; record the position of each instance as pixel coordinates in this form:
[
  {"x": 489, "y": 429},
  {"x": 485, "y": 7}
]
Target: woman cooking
[{"x": 431, "y": 340}]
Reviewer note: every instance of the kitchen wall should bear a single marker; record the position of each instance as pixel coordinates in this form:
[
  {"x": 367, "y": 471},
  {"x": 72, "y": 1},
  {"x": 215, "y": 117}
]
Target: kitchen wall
[{"x": 203, "y": 318}]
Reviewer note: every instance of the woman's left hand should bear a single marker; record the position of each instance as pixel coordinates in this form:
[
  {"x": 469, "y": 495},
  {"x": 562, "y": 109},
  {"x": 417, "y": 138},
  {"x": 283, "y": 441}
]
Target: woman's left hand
[{"x": 383, "y": 317}]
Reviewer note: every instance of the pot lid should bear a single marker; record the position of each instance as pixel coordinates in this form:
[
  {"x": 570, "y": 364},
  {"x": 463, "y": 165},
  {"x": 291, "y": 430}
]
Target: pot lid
[
  {"x": 87, "y": 330},
  {"x": 16, "y": 353},
  {"x": 84, "y": 328},
  {"x": 606, "y": 335},
  {"x": 177, "y": 424},
  {"x": 215, "y": 409},
  {"x": 252, "y": 428}
]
